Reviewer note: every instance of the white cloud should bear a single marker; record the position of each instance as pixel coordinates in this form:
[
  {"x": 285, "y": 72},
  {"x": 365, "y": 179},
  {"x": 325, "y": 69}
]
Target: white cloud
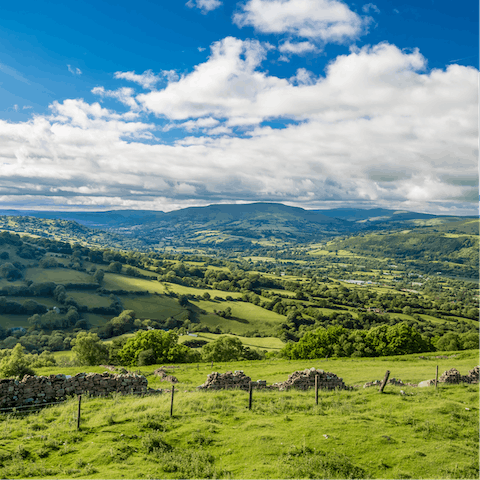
[
  {"x": 325, "y": 20},
  {"x": 303, "y": 77},
  {"x": 378, "y": 128},
  {"x": 367, "y": 8},
  {"x": 223, "y": 85},
  {"x": 147, "y": 79},
  {"x": 123, "y": 95},
  {"x": 297, "y": 48},
  {"x": 230, "y": 84},
  {"x": 221, "y": 130},
  {"x": 191, "y": 125},
  {"x": 204, "y": 5},
  {"x": 74, "y": 70}
]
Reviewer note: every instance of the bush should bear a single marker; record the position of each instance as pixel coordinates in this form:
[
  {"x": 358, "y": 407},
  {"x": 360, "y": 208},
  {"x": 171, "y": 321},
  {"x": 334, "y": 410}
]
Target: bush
[
  {"x": 89, "y": 349},
  {"x": 15, "y": 364},
  {"x": 147, "y": 357},
  {"x": 164, "y": 346},
  {"x": 223, "y": 349},
  {"x": 10, "y": 272}
]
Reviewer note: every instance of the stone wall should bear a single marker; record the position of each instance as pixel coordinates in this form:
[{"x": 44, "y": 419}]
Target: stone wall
[
  {"x": 302, "y": 380},
  {"x": 229, "y": 380},
  {"x": 164, "y": 376},
  {"x": 454, "y": 376},
  {"x": 33, "y": 390},
  {"x": 391, "y": 381},
  {"x": 305, "y": 379}
]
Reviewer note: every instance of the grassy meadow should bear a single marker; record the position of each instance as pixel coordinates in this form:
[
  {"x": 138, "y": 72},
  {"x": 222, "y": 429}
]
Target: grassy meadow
[{"x": 357, "y": 433}]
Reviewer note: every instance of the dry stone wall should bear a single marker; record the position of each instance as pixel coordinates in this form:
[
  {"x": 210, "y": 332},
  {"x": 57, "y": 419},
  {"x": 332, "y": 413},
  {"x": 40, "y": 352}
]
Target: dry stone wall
[
  {"x": 454, "y": 376},
  {"x": 33, "y": 390},
  {"x": 391, "y": 381},
  {"x": 229, "y": 380},
  {"x": 305, "y": 379},
  {"x": 164, "y": 376},
  {"x": 302, "y": 380}
]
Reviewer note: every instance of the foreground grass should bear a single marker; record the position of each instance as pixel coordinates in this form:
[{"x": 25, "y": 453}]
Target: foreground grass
[
  {"x": 360, "y": 433},
  {"x": 350, "y": 434}
]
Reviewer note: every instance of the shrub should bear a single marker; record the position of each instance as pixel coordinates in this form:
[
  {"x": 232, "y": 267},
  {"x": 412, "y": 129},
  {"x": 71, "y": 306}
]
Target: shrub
[
  {"x": 89, "y": 349},
  {"x": 164, "y": 346},
  {"x": 15, "y": 364},
  {"x": 147, "y": 357}
]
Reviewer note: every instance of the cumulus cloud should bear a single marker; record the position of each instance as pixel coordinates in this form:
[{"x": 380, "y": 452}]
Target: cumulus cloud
[
  {"x": 147, "y": 79},
  {"x": 297, "y": 47},
  {"x": 377, "y": 129},
  {"x": 204, "y": 5},
  {"x": 222, "y": 86},
  {"x": 367, "y": 82},
  {"x": 123, "y": 95},
  {"x": 191, "y": 125},
  {"x": 325, "y": 20}
]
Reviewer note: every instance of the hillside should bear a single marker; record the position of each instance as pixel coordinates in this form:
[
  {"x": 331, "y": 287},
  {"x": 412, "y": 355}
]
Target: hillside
[
  {"x": 219, "y": 226},
  {"x": 111, "y": 292},
  {"x": 406, "y": 432},
  {"x": 451, "y": 248}
]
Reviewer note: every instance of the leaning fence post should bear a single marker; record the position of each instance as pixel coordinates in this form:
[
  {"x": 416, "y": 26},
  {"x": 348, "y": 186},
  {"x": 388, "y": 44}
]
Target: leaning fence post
[
  {"x": 382, "y": 386},
  {"x": 316, "y": 389},
  {"x": 171, "y": 401},
  {"x": 250, "y": 391},
  {"x": 436, "y": 378},
  {"x": 79, "y": 411}
]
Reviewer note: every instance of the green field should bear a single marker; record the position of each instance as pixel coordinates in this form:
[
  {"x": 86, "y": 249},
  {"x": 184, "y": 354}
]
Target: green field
[
  {"x": 57, "y": 275},
  {"x": 182, "y": 290},
  {"x": 246, "y": 317},
  {"x": 263, "y": 343},
  {"x": 113, "y": 281},
  {"x": 10, "y": 321},
  {"x": 89, "y": 299},
  {"x": 48, "y": 302},
  {"x": 96, "y": 319},
  {"x": 357, "y": 433},
  {"x": 153, "y": 307}
]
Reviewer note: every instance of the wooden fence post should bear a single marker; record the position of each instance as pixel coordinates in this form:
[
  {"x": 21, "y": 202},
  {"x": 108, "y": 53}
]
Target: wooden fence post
[
  {"x": 171, "y": 401},
  {"x": 385, "y": 380},
  {"x": 250, "y": 393},
  {"x": 79, "y": 411},
  {"x": 316, "y": 389},
  {"x": 436, "y": 378}
]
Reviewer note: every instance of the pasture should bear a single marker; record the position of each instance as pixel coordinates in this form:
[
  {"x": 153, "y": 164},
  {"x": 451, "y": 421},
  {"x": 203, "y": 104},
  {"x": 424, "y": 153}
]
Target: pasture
[
  {"x": 57, "y": 275},
  {"x": 359, "y": 433}
]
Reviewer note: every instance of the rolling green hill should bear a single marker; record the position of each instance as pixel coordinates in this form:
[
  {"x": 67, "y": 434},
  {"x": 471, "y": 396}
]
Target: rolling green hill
[
  {"x": 51, "y": 290},
  {"x": 218, "y": 226}
]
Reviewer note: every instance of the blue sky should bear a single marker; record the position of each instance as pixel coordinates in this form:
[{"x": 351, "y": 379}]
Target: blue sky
[{"x": 314, "y": 103}]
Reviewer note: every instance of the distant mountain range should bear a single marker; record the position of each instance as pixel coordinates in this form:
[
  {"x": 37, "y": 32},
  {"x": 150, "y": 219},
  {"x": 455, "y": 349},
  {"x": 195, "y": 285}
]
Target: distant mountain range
[{"x": 240, "y": 225}]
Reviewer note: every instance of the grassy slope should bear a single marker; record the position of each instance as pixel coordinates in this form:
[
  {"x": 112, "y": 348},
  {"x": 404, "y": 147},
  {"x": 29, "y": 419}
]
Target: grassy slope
[
  {"x": 350, "y": 434},
  {"x": 263, "y": 343},
  {"x": 154, "y": 307},
  {"x": 57, "y": 275}
]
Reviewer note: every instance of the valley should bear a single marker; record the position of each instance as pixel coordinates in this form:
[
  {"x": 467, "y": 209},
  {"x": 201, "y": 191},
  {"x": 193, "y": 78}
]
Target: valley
[{"x": 357, "y": 301}]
